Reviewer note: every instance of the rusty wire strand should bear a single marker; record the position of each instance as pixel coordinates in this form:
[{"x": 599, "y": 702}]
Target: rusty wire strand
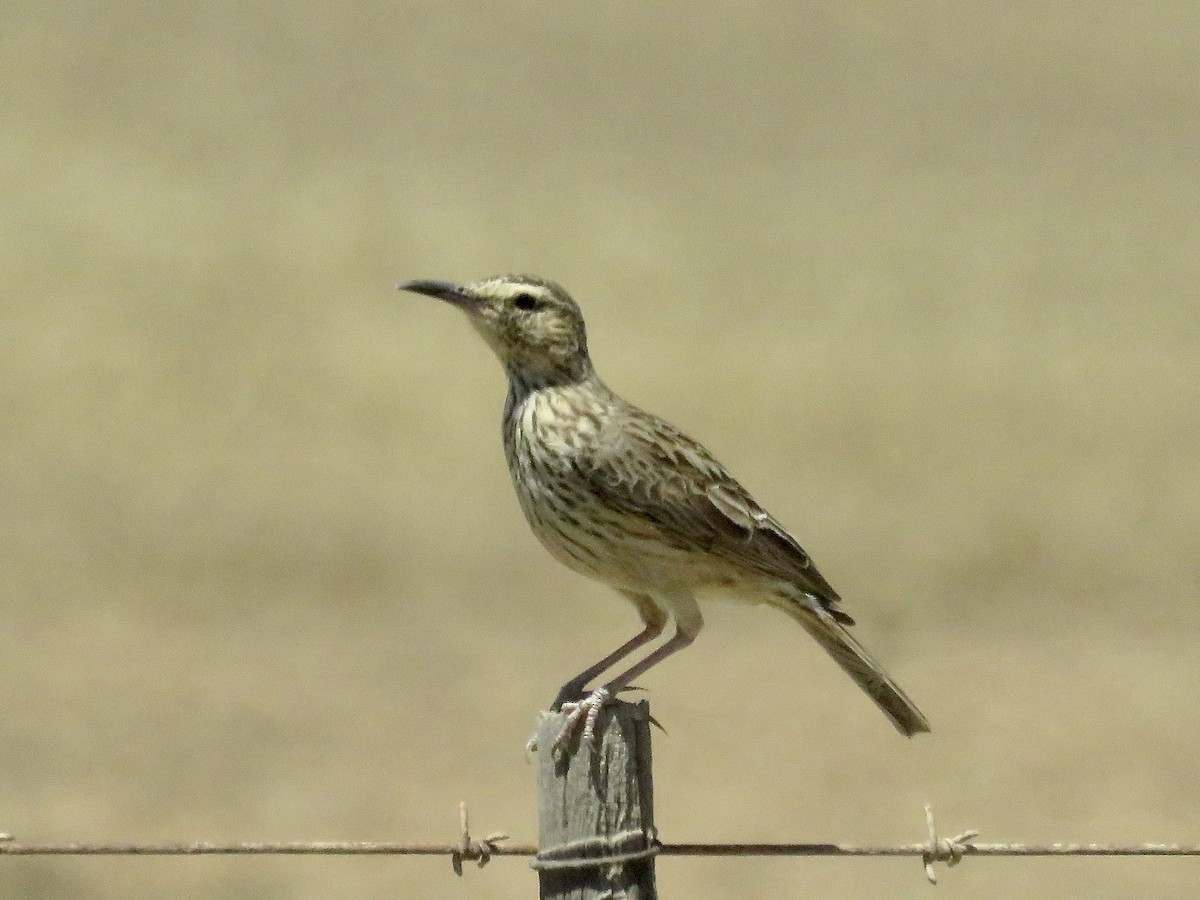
[
  {"x": 400, "y": 848},
  {"x": 944, "y": 850}
]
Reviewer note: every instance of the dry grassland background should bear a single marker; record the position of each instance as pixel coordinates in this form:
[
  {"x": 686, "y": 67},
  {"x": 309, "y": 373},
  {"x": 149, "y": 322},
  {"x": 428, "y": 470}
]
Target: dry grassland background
[{"x": 924, "y": 275}]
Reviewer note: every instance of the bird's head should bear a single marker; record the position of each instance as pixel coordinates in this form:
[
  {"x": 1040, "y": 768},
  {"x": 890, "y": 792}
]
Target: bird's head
[{"x": 532, "y": 324}]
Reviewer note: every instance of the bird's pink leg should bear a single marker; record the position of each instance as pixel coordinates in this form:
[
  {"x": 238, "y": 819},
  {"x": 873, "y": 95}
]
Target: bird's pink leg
[
  {"x": 655, "y": 619},
  {"x": 688, "y": 622},
  {"x": 573, "y": 689},
  {"x": 572, "y": 692}
]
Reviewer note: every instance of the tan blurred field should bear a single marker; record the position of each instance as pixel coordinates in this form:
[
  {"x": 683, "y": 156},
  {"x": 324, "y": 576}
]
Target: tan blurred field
[{"x": 924, "y": 275}]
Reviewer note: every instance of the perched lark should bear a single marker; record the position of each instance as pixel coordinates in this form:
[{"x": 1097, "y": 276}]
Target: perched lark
[{"x": 623, "y": 497}]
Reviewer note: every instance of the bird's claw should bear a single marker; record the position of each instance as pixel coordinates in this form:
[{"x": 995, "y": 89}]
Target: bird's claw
[
  {"x": 578, "y": 708},
  {"x": 572, "y": 693},
  {"x": 585, "y": 711}
]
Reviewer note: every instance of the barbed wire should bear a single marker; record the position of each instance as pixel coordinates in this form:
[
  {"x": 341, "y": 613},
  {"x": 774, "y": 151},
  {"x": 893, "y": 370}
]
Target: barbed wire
[{"x": 950, "y": 851}]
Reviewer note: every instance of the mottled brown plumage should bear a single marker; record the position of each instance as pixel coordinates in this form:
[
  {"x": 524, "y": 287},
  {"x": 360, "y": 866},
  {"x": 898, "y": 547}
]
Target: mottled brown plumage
[{"x": 626, "y": 498}]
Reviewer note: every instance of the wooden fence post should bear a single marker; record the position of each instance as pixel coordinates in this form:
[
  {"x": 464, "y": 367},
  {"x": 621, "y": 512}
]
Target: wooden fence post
[{"x": 596, "y": 835}]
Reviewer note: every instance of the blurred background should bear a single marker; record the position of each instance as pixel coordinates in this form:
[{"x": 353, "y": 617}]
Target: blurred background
[{"x": 924, "y": 275}]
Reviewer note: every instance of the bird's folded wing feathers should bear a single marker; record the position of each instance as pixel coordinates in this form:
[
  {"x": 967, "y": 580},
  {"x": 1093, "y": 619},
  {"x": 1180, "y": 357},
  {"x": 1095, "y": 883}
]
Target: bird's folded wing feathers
[{"x": 650, "y": 469}]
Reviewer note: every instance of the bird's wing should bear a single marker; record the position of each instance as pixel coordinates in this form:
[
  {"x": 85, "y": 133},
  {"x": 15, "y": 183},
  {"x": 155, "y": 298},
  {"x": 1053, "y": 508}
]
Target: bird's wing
[{"x": 650, "y": 469}]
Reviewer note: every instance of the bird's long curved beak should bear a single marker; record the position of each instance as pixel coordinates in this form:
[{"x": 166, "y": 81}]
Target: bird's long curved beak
[{"x": 442, "y": 290}]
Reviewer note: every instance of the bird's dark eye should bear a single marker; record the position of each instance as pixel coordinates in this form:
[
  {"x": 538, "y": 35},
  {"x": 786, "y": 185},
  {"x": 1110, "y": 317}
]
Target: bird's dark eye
[{"x": 525, "y": 301}]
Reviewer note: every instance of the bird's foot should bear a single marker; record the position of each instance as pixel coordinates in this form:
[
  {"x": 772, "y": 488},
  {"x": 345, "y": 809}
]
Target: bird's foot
[
  {"x": 579, "y": 706},
  {"x": 574, "y": 691},
  {"x": 583, "y": 712}
]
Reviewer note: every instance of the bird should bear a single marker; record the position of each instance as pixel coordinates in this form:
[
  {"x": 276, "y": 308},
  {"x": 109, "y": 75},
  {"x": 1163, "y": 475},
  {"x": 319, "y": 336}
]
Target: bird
[{"x": 622, "y": 496}]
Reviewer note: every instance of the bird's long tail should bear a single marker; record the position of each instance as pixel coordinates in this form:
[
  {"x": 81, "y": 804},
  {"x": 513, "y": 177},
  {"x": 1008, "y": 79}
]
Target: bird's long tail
[{"x": 858, "y": 664}]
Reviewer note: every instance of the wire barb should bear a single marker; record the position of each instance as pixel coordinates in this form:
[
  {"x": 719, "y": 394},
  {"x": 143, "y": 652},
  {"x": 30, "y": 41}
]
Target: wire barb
[
  {"x": 945, "y": 850},
  {"x": 479, "y": 852}
]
